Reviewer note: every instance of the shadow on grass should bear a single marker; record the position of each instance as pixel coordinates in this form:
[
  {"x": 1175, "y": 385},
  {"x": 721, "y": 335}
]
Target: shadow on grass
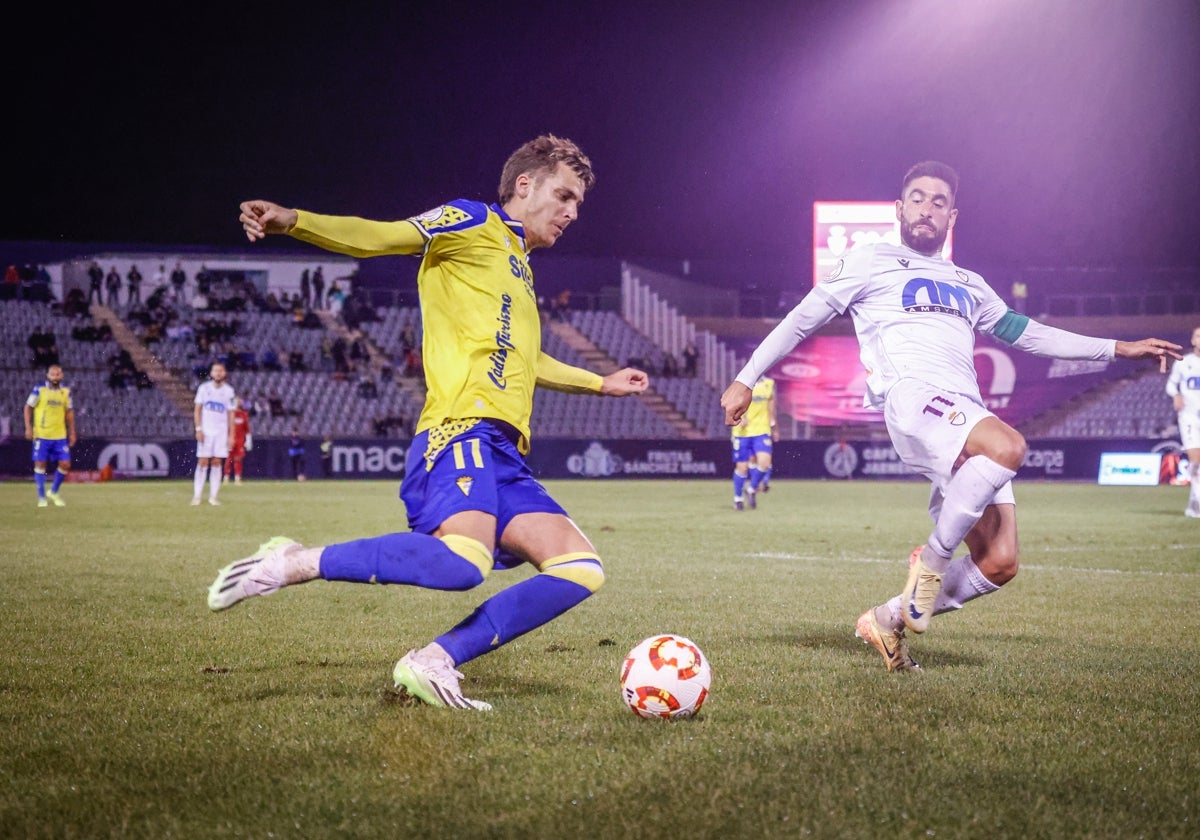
[{"x": 846, "y": 642}]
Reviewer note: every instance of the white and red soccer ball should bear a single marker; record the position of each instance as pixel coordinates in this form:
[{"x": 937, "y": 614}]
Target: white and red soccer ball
[{"x": 665, "y": 676}]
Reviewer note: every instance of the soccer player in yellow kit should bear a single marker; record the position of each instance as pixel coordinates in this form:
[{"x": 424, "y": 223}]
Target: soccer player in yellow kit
[
  {"x": 753, "y": 441},
  {"x": 472, "y": 502},
  {"x": 50, "y": 424}
]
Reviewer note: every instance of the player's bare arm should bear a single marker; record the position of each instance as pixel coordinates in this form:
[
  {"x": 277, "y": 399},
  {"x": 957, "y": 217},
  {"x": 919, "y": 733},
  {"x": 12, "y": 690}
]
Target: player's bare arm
[
  {"x": 624, "y": 382},
  {"x": 1149, "y": 348},
  {"x": 735, "y": 401},
  {"x": 260, "y": 218}
]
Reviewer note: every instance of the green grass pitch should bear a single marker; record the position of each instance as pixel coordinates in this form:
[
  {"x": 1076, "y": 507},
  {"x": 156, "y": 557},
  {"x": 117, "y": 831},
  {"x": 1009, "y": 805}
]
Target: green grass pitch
[{"x": 1067, "y": 705}]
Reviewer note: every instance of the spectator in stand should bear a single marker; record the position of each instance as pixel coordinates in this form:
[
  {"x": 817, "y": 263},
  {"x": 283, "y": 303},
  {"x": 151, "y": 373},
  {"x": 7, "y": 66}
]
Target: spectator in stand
[
  {"x": 95, "y": 283},
  {"x": 305, "y": 289},
  {"x": 669, "y": 366},
  {"x": 270, "y": 360},
  {"x": 178, "y": 282},
  {"x": 112, "y": 285},
  {"x": 275, "y": 401},
  {"x": 336, "y": 298},
  {"x": 408, "y": 337},
  {"x": 691, "y": 356},
  {"x": 412, "y": 364},
  {"x": 133, "y": 288},
  {"x": 12, "y": 283},
  {"x": 160, "y": 281},
  {"x": 318, "y": 285},
  {"x": 296, "y": 363},
  {"x": 327, "y": 354}
]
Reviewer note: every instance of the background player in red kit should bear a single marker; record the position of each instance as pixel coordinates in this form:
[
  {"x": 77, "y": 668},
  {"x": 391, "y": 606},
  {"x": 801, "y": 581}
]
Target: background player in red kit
[{"x": 241, "y": 442}]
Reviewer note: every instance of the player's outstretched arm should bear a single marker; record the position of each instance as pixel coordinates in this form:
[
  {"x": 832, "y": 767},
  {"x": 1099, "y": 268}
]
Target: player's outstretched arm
[
  {"x": 260, "y": 217},
  {"x": 624, "y": 382},
  {"x": 735, "y": 401},
  {"x": 1150, "y": 348}
]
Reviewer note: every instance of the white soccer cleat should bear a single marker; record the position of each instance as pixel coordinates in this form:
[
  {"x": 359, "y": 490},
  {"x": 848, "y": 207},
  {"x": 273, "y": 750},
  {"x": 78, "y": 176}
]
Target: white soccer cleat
[
  {"x": 196, "y": 502},
  {"x": 433, "y": 680},
  {"x": 55, "y": 499},
  {"x": 259, "y": 574},
  {"x": 891, "y": 644},
  {"x": 1192, "y": 510},
  {"x": 214, "y": 502}
]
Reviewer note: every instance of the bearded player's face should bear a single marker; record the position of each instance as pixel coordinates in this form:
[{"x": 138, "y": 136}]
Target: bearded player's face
[{"x": 926, "y": 214}]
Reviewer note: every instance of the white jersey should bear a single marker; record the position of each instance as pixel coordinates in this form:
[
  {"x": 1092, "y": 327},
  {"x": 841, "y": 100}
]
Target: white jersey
[
  {"x": 915, "y": 317},
  {"x": 216, "y": 405},
  {"x": 1185, "y": 381}
]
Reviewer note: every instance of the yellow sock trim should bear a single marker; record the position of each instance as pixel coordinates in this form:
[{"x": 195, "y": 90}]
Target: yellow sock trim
[
  {"x": 473, "y": 551},
  {"x": 579, "y": 567}
]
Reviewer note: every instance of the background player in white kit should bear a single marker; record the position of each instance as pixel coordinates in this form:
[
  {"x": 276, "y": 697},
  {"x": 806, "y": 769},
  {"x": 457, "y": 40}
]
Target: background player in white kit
[
  {"x": 213, "y": 411},
  {"x": 915, "y": 314},
  {"x": 1183, "y": 385}
]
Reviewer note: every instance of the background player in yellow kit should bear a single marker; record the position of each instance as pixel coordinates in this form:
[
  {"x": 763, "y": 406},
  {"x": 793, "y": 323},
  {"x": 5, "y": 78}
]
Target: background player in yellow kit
[
  {"x": 753, "y": 439},
  {"x": 50, "y": 424},
  {"x": 472, "y": 502}
]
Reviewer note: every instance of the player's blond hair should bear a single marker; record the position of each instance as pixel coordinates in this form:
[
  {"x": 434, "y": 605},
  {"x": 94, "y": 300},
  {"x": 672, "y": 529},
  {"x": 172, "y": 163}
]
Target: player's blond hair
[{"x": 540, "y": 156}]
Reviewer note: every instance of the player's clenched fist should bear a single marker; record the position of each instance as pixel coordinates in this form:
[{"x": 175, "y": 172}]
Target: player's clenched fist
[{"x": 260, "y": 217}]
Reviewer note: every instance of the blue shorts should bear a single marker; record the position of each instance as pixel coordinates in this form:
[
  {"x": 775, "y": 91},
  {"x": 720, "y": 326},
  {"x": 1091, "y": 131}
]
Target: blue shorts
[
  {"x": 51, "y": 449},
  {"x": 479, "y": 469},
  {"x": 745, "y": 448}
]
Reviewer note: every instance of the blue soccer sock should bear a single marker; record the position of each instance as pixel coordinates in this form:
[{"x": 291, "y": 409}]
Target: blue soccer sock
[
  {"x": 452, "y": 562},
  {"x": 59, "y": 475},
  {"x": 756, "y": 478},
  {"x": 523, "y": 607},
  {"x": 39, "y": 480},
  {"x": 739, "y": 484},
  {"x": 766, "y": 476}
]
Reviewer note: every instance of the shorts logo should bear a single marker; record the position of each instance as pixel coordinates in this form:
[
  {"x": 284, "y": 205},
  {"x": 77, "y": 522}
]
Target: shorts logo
[
  {"x": 465, "y": 482},
  {"x": 957, "y": 418}
]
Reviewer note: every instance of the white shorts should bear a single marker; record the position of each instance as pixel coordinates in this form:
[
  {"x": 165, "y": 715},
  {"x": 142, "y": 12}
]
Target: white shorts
[
  {"x": 1189, "y": 429},
  {"x": 213, "y": 446},
  {"x": 929, "y": 428}
]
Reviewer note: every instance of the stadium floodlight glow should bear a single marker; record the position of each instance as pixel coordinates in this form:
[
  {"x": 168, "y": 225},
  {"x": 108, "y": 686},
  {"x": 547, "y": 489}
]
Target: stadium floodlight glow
[{"x": 841, "y": 226}]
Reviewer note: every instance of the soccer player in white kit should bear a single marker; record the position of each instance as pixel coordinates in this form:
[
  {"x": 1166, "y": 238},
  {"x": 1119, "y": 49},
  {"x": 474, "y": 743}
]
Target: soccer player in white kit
[
  {"x": 915, "y": 314},
  {"x": 1183, "y": 386},
  {"x": 213, "y": 410}
]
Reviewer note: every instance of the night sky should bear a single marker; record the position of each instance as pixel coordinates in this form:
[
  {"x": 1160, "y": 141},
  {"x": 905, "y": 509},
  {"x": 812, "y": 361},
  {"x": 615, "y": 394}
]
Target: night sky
[{"x": 1075, "y": 124}]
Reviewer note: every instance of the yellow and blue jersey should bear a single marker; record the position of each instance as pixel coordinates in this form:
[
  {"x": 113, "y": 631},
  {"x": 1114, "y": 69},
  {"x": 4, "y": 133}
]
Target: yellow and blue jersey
[
  {"x": 758, "y": 417},
  {"x": 482, "y": 335},
  {"x": 50, "y": 406}
]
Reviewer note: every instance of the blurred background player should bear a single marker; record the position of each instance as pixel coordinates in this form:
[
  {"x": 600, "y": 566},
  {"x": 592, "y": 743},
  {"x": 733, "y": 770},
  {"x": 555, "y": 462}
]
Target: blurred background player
[
  {"x": 50, "y": 424},
  {"x": 241, "y": 442},
  {"x": 753, "y": 441},
  {"x": 1183, "y": 385},
  {"x": 472, "y": 501},
  {"x": 213, "y": 410},
  {"x": 915, "y": 315}
]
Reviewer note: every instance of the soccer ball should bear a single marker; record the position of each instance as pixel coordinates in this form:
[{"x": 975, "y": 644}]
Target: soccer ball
[{"x": 665, "y": 676}]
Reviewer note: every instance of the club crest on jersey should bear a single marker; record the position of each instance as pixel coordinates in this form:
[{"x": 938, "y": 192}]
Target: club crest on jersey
[
  {"x": 465, "y": 482},
  {"x": 924, "y": 295}
]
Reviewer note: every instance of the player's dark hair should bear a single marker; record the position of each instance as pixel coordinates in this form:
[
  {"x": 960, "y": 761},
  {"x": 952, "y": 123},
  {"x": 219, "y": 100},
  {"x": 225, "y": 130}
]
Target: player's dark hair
[
  {"x": 931, "y": 169},
  {"x": 542, "y": 155}
]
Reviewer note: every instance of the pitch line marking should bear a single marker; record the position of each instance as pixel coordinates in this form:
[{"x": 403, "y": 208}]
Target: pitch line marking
[{"x": 810, "y": 558}]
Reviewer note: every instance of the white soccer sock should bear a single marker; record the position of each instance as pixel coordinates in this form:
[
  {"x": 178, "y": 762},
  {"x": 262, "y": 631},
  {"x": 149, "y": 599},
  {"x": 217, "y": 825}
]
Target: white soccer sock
[
  {"x": 214, "y": 480},
  {"x": 968, "y": 493},
  {"x": 303, "y": 564},
  {"x": 962, "y": 582},
  {"x": 1194, "y": 483},
  {"x": 198, "y": 481}
]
